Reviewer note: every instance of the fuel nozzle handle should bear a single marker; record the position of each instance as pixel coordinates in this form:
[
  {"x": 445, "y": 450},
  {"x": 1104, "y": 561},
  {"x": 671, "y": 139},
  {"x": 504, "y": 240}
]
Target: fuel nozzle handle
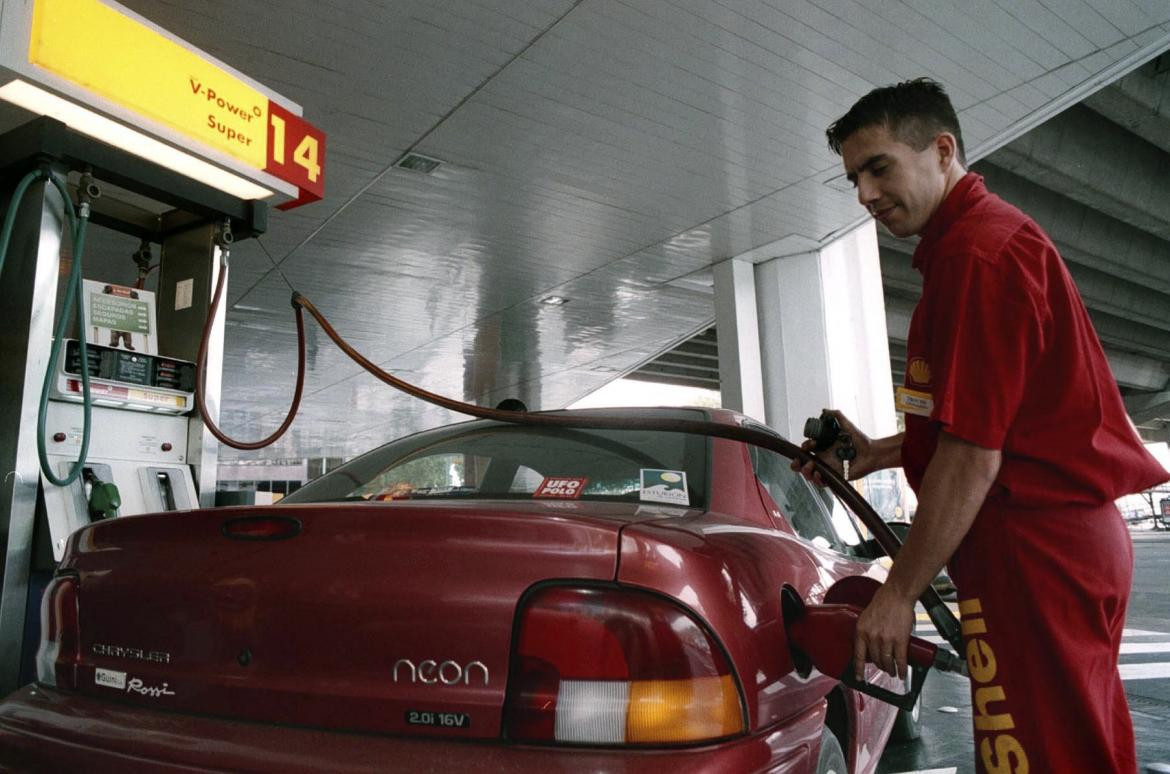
[
  {"x": 822, "y": 636},
  {"x": 858, "y": 590},
  {"x": 823, "y": 430}
]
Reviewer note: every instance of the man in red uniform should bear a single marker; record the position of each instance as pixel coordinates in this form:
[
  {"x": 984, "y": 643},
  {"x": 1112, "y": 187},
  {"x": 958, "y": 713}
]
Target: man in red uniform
[{"x": 1016, "y": 442}]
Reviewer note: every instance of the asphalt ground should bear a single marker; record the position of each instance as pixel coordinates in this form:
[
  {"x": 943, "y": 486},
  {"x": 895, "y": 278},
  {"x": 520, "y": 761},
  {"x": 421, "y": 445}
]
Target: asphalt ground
[{"x": 946, "y": 747}]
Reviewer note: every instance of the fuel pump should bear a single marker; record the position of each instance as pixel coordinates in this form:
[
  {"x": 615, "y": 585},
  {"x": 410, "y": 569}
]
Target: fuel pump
[{"x": 113, "y": 413}]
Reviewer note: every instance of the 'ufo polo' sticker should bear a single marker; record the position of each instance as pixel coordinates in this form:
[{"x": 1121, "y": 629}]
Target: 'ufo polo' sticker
[{"x": 562, "y": 487}]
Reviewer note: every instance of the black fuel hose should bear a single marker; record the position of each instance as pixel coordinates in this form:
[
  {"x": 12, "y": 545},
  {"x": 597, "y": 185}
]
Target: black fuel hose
[{"x": 940, "y": 615}]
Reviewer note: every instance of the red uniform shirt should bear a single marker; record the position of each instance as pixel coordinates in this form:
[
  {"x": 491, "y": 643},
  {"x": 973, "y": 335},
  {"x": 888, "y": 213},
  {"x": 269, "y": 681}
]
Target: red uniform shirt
[{"x": 1003, "y": 345}]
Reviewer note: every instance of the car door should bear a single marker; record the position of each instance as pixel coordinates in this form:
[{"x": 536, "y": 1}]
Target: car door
[{"x": 818, "y": 517}]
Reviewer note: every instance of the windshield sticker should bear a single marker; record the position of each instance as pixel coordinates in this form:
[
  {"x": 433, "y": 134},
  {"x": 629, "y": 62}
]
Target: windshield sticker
[
  {"x": 400, "y": 490},
  {"x": 664, "y": 486},
  {"x": 561, "y": 487}
]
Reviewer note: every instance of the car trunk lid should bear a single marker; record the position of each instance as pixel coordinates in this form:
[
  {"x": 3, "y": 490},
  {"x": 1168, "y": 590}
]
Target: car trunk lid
[{"x": 376, "y": 617}]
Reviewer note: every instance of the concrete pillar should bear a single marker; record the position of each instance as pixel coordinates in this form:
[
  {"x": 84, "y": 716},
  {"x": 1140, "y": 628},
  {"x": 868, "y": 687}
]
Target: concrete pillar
[
  {"x": 823, "y": 336},
  {"x": 740, "y": 378}
]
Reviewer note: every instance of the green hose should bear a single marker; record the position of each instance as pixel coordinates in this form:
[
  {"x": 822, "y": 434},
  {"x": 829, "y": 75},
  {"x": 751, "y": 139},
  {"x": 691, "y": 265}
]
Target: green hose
[{"x": 74, "y": 293}]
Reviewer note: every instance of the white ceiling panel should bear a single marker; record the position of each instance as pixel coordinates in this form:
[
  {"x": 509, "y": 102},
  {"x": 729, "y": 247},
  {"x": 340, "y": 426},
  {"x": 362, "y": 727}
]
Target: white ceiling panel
[
  {"x": 595, "y": 149},
  {"x": 1087, "y": 19},
  {"x": 1132, "y": 18}
]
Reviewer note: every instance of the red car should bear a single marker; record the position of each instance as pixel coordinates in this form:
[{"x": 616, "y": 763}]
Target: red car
[{"x": 483, "y": 595}]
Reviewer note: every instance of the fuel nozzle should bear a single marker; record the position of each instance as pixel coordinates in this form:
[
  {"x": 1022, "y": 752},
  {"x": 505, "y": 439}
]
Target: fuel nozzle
[
  {"x": 825, "y": 431},
  {"x": 822, "y": 635},
  {"x": 102, "y": 497}
]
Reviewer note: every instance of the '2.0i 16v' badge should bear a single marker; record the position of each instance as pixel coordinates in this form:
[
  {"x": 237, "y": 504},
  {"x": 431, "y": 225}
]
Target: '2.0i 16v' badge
[{"x": 442, "y": 719}]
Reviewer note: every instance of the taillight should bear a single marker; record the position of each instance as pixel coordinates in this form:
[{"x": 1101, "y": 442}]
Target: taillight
[
  {"x": 60, "y": 647},
  {"x": 615, "y": 666}
]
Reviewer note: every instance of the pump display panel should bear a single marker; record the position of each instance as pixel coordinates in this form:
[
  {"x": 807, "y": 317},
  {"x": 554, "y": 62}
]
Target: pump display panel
[{"x": 127, "y": 379}]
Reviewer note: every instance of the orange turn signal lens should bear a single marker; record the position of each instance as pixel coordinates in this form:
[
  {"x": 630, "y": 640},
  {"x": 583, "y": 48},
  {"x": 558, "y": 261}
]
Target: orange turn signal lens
[{"x": 683, "y": 710}]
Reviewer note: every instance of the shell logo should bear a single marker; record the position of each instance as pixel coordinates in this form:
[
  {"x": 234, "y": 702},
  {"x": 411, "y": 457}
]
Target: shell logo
[{"x": 919, "y": 371}]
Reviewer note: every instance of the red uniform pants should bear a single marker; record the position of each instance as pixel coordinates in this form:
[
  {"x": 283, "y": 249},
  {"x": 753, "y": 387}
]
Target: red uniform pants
[{"x": 1042, "y": 595}]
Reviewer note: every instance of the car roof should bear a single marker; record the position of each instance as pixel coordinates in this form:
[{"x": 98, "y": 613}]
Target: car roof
[{"x": 718, "y": 415}]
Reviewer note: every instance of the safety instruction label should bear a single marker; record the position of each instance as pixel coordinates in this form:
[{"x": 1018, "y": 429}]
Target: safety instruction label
[
  {"x": 184, "y": 294},
  {"x": 125, "y": 314},
  {"x": 561, "y": 487},
  {"x": 120, "y": 316},
  {"x": 664, "y": 486}
]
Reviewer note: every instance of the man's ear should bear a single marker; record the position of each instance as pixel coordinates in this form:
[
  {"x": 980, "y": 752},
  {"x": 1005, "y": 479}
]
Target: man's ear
[{"x": 947, "y": 148}]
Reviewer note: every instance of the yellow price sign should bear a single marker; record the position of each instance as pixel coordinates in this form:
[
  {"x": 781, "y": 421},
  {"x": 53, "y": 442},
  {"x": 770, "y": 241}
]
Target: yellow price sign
[
  {"x": 119, "y": 57},
  {"x": 129, "y": 63}
]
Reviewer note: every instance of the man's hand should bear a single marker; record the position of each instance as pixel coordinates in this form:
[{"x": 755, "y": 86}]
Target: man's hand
[
  {"x": 883, "y": 633},
  {"x": 862, "y": 465},
  {"x": 953, "y": 489}
]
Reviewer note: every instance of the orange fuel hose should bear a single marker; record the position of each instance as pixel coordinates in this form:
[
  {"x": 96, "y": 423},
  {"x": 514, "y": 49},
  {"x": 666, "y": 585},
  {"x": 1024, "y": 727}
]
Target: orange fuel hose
[{"x": 943, "y": 619}]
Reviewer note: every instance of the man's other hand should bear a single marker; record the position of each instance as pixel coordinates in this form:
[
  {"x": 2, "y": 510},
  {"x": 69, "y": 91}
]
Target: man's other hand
[{"x": 883, "y": 633}]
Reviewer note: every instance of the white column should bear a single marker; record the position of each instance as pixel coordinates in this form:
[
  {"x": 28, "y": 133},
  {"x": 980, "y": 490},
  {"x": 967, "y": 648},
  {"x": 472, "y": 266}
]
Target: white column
[
  {"x": 823, "y": 336},
  {"x": 740, "y": 376}
]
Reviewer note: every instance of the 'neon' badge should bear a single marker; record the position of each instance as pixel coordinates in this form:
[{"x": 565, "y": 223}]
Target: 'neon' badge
[{"x": 561, "y": 487}]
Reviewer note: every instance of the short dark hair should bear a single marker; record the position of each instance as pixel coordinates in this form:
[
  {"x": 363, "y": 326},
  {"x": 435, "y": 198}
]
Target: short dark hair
[{"x": 914, "y": 111}]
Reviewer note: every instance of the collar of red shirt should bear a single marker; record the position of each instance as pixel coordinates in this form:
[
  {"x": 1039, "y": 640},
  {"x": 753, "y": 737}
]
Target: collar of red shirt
[{"x": 966, "y": 192}]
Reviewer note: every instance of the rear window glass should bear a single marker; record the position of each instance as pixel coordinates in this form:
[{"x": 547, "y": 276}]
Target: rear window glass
[{"x": 523, "y": 463}]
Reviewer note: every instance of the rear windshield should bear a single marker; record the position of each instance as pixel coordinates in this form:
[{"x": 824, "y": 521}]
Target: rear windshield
[{"x": 524, "y": 463}]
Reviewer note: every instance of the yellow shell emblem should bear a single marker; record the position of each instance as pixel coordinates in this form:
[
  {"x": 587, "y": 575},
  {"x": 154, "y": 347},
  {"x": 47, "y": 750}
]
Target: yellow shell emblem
[{"x": 919, "y": 371}]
